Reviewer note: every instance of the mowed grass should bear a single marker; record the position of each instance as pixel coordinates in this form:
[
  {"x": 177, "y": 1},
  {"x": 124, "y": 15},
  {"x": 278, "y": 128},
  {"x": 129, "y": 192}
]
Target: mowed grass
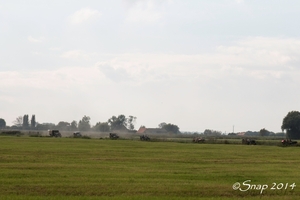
[{"x": 69, "y": 168}]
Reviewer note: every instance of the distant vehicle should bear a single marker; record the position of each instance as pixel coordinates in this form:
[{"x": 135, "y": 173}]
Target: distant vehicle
[
  {"x": 288, "y": 142},
  {"x": 54, "y": 133},
  {"x": 248, "y": 141},
  {"x": 113, "y": 136},
  {"x": 77, "y": 134},
  {"x": 198, "y": 140},
  {"x": 144, "y": 138}
]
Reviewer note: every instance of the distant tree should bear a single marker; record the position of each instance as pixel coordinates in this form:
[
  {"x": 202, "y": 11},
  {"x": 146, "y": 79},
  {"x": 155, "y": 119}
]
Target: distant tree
[
  {"x": 14, "y": 127},
  {"x": 2, "y": 123},
  {"x": 171, "y": 128},
  {"x": 73, "y": 125},
  {"x": 263, "y": 132},
  {"x": 232, "y": 134},
  {"x": 33, "y": 122},
  {"x": 252, "y": 133},
  {"x": 45, "y": 126},
  {"x": 130, "y": 121},
  {"x": 102, "y": 127},
  {"x": 291, "y": 123},
  {"x": 117, "y": 122},
  {"x": 161, "y": 125},
  {"x": 18, "y": 122},
  {"x": 63, "y": 126},
  {"x": 208, "y": 132},
  {"x": 280, "y": 134},
  {"x": 84, "y": 124},
  {"x": 272, "y": 134},
  {"x": 25, "y": 122}
]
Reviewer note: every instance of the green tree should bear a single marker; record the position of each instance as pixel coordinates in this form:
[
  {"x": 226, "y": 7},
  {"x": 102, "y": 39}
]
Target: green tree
[
  {"x": 291, "y": 123},
  {"x": 280, "y": 134},
  {"x": 102, "y": 127},
  {"x": 63, "y": 126},
  {"x": 130, "y": 121},
  {"x": 45, "y": 126},
  {"x": 171, "y": 128},
  {"x": 264, "y": 132},
  {"x": 2, "y": 123},
  {"x": 84, "y": 124},
  {"x": 18, "y": 122},
  {"x": 208, "y": 132},
  {"x": 25, "y": 122},
  {"x": 73, "y": 125},
  {"x": 161, "y": 125},
  {"x": 33, "y": 122},
  {"x": 117, "y": 122}
]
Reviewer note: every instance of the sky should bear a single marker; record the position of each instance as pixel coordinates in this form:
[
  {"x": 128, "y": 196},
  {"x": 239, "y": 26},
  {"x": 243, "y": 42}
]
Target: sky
[{"x": 223, "y": 65}]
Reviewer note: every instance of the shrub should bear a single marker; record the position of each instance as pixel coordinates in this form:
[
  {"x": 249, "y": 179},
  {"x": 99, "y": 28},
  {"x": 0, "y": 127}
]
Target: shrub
[{"x": 11, "y": 133}]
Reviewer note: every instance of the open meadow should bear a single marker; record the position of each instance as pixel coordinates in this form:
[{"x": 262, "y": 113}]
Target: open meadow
[{"x": 76, "y": 168}]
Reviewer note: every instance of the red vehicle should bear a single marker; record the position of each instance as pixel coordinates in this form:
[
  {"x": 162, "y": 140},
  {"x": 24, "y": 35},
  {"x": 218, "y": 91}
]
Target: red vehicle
[{"x": 287, "y": 142}]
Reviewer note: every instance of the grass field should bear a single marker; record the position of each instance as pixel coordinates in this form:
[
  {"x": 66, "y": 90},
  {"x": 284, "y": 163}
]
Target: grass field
[{"x": 70, "y": 168}]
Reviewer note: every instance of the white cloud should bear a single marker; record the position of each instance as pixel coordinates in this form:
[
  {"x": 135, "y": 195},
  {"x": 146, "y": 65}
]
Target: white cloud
[
  {"x": 55, "y": 48},
  {"x": 114, "y": 74},
  {"x": 35, "y": 40},
  {"x": 75, "y": 54},
  {"x": 85, "y": 14},
  {"x": 263, "y": 59},
  {"x": 277, "y": 55},
  {"x": 239, "y": 1},
  {"x": 65, "y": 91},
  {"x": 251, "y": 58},
  {"x": 144, "y": 11},
  {"x": 7, "y": 99},
  {"x": 249, "y": 75},
  {"x": 61, "y": 79}
]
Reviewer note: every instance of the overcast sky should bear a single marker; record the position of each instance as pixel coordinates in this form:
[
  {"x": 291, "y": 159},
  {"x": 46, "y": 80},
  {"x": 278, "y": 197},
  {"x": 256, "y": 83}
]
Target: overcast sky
[{"x": 197, "y": 64}]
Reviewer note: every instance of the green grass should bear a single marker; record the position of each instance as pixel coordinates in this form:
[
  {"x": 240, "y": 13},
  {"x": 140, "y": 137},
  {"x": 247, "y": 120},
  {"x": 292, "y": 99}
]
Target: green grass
[{"x": 68, "y": 168}]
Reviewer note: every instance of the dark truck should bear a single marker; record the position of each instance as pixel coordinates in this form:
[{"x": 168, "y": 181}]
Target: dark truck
[{"x": 54, "y": 133}]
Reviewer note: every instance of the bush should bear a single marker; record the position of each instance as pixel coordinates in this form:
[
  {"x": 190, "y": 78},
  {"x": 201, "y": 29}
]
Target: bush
[
  {"x": 226, "y": 142},
  {"x": 11, "y": 133}
]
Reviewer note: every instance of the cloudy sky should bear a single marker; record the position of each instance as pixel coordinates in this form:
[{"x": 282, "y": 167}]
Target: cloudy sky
[{"x": 197, "y": 64}]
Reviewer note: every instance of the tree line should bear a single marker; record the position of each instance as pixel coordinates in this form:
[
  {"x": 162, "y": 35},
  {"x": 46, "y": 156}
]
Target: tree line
[
  {"x": 113, "y": 123},
  {"x": 290, "y": 124},
  {"x": 23, "y": 123}
]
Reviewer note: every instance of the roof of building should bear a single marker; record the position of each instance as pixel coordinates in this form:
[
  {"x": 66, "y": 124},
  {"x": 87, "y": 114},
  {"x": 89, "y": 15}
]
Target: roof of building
[{"x": 143, "y": 130}]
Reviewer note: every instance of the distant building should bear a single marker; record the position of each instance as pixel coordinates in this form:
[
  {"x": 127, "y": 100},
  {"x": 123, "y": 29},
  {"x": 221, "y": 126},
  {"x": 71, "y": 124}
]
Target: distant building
[
  {"x": 241, "y": 134},
  {"x": 122, "y": 129},
  {"x": 144, "y": 130}
]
